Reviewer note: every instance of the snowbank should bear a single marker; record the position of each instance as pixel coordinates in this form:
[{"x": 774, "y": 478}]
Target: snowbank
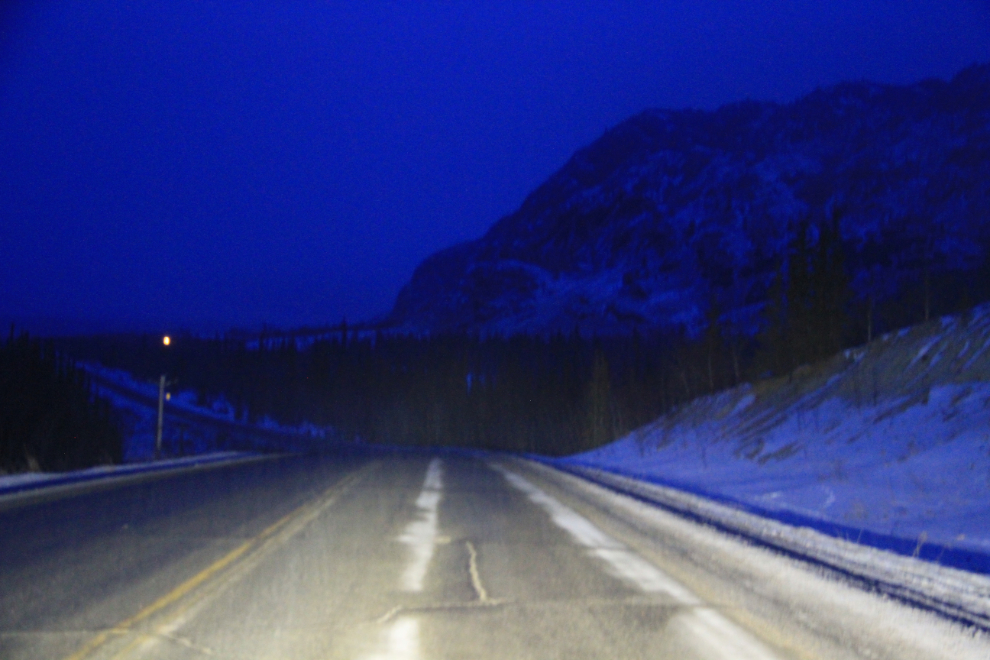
[
  {"x": 888, "y": 444},
  {"x": 135, "y": 404},
  {"x": 24, "y": 481}
]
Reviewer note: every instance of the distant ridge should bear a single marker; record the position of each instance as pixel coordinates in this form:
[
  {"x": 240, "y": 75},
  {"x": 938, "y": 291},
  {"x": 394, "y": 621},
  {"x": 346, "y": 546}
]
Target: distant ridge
[{"x": 673, "y": 211}]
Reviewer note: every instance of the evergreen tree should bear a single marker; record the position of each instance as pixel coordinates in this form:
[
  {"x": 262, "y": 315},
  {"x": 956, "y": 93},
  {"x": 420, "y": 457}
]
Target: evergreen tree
[
  {"x": 714, "y": 344},
  {"x": 49, "y": 417},
  {"x": 599, "y": 404},
  {"x": 807, "y": 311},
  {"x": 773, "y": 354},
  {"x": 831, "y": 291},
  {"x": 800, "y": 335}
]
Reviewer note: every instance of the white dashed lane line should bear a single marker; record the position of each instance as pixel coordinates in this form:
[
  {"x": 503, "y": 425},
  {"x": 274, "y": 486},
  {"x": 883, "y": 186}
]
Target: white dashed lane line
[
  {"x": 421, "y": 534},
  {"x": 400, "y": 639},
  {"x": 709, "y": 628}
]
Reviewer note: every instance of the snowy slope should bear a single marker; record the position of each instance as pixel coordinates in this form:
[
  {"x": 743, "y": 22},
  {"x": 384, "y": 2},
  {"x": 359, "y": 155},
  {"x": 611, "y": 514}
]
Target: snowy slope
[
  {"x": 892, "y": 439},
  {"x": 191, "y": 429}
]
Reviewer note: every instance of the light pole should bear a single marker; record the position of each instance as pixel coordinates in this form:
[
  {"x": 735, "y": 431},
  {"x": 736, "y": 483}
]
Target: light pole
[{"x": 162, "y": 384}]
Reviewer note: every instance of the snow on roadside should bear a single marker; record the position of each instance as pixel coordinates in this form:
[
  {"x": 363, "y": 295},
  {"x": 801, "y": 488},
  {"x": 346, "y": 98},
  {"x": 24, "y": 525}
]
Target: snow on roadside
[
  {"x": 22, "y": 480},
  {"x": 891, "y": 439},
  {"x": 138, "y": 420},
  {"x": 220, "y": 408}
]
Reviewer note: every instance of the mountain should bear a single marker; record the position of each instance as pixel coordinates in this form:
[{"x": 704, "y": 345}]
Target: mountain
[{"x": 674, "y": 211}]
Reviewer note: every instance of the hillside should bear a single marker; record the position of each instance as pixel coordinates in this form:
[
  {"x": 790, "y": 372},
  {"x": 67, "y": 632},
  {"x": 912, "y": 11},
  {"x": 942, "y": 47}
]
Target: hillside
[
  {"x": 674, "y": 210},
  {"x": 891, "y": 438}
]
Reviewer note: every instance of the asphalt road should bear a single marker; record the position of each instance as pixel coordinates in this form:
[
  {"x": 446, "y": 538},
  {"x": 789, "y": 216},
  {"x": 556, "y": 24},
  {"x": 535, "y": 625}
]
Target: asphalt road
[{"x": 417, "y": 557}]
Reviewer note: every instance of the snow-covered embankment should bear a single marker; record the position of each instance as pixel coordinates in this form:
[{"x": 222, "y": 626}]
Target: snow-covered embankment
[{"x": 886, "y": 445}]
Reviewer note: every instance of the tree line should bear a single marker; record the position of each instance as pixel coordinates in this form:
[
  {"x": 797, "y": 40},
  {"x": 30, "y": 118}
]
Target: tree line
[
  {"x": 553, "y": 395},
  {"x": 50, "y": 418}
]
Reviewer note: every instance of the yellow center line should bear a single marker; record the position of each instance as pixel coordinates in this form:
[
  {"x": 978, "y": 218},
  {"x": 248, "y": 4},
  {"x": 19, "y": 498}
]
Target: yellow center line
[{"x": 189, "y": 585}]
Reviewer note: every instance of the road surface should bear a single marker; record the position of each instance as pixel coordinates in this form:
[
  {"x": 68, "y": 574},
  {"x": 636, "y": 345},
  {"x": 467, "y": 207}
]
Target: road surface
[{"x": 406, "y": 557}]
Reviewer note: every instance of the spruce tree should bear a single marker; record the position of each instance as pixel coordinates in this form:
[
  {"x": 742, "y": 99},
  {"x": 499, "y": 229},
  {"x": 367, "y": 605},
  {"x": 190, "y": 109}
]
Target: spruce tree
[
  {"x": 772, "y": 354},
  {"x": 832, "y": 292},
  {"x": 599, "y": 403}
]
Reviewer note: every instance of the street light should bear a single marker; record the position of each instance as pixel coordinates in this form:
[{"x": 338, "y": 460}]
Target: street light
[{"x": 162, "y": 384}]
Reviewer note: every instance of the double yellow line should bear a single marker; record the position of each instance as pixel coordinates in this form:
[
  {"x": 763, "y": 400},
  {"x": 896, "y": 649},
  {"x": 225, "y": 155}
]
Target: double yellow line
[{"x": 302, "y": 516}]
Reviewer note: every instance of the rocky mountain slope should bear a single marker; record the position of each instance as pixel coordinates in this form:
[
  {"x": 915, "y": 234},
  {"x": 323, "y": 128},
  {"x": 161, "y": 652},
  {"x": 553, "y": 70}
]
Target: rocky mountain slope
[{"x": 672, "y": 211}]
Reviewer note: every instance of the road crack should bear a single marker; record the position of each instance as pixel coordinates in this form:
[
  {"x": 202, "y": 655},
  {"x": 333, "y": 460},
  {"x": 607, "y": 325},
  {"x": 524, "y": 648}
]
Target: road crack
[{"x": 479, "y": 588}]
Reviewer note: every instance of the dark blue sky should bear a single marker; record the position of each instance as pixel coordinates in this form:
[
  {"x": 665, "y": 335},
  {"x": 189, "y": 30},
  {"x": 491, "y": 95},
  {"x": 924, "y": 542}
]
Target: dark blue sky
[{"x": 211, "y": 164}]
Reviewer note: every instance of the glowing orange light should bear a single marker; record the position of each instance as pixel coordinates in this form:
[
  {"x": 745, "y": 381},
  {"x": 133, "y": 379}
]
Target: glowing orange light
[{"x": 167, "y": 340}]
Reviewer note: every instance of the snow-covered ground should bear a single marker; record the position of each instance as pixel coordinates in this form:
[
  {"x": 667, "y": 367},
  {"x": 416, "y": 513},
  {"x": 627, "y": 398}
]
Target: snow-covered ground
[
  {"x": 891, "y": 440},
  {"x": 10, "y": 483},
  {"x": 138, "y": 420}
]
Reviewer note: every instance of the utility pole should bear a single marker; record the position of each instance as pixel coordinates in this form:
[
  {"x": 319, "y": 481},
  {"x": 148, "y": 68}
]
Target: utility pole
[
  {"x": 162, "y": 395},
  {"x": 161, "y": 414}
]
